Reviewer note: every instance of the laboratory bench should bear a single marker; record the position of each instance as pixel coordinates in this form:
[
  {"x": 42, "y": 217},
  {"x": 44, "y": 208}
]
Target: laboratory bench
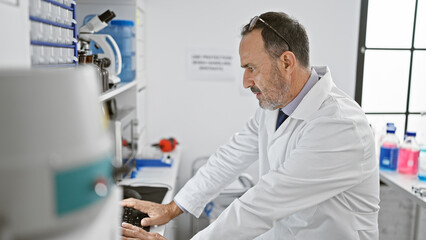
[
  {"x": 159, "y": 177},
  {"x": 403, "y": 183}
]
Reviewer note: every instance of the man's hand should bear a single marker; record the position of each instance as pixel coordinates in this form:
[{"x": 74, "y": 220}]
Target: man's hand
[
  {"x": 131, "y": 232},
  {"x": 159, "y": 214}
]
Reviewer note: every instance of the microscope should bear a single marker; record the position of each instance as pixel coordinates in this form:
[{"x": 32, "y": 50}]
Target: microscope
[{"x": 109, "y": 61}]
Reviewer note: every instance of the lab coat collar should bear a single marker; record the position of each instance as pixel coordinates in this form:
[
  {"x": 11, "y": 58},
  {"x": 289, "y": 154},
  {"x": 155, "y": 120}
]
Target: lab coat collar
[
  {"x": 309, "y": 104},
  {"x": 316, "y": 96}
]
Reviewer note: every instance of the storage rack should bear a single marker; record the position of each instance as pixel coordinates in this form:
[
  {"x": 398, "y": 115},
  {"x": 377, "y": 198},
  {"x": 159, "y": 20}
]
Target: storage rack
[{"x": 53, "y": 32}]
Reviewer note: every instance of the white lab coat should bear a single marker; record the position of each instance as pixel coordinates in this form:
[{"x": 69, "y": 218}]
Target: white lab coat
[{"x": 319, "y": 175}]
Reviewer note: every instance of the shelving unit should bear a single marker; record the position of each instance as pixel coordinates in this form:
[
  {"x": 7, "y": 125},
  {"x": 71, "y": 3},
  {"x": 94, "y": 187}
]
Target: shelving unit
[
  {"x": 120, "y": 88},
  {"x": 130, "y": 95},
  {"x": 53, "y": 32}
]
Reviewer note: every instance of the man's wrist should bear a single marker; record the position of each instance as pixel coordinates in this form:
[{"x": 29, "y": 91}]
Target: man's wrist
[{"x": 174, "y": 209}]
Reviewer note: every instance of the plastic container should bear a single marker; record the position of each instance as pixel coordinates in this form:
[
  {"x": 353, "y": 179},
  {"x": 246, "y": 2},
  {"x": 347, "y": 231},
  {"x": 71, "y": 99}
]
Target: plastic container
[
  {"x": 122, "y": 31},
  {"x": 409, "y": 154},
  {"x": 381, "y": 133},
  {"x": 389, "y": 150},
  {"x": 123, "y": 34},
  {"x": 422, "y": 164},
  {"x": 422, "y": 141}
]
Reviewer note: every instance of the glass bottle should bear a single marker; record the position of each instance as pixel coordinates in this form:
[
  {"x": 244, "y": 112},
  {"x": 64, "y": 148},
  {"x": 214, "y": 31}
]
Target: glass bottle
[
  {"x": 409, "y": 154},
  {"x": 422, "y": 141},
  {"x": 389, "y": 150}
]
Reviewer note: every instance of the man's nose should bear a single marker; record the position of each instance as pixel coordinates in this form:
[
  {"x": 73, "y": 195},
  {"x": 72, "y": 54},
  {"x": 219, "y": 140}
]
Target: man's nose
[{"x": 247, "y": 80}]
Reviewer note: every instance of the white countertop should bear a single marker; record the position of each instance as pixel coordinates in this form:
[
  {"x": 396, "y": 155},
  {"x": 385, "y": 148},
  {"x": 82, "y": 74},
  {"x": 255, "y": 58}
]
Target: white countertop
[{"x": 403, "y": 184}]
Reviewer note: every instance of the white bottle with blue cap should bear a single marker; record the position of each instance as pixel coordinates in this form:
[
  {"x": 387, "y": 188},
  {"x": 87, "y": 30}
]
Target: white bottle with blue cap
[{"x": 422, "y": 141}]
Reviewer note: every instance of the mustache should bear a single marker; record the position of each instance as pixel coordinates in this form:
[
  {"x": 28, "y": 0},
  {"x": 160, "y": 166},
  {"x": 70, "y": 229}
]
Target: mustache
[{"x": 255, "y": 89}]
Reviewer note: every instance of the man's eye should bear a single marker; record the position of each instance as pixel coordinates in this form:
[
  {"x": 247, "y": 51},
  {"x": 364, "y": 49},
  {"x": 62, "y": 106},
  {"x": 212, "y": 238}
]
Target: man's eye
[{"x": 251, "y": 69}]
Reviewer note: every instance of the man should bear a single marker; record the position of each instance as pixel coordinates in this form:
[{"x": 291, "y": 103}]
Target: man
[{"x": 318, "y": 171}]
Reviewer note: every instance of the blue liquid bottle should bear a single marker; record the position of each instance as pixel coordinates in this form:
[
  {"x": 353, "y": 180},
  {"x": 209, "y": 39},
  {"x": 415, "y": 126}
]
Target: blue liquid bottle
[{"x": 389, "y": 150}]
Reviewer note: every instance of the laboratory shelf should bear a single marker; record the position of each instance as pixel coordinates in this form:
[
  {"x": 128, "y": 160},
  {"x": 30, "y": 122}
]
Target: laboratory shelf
[
  {"x": 41, "y": 43},
  {"x": 59, "y": 4},
  {"x": 60, "y": 65},
  {"x": 53, "y": 32},
  {"x": 403, "y": 184},
  {"x": 37, "y": 19},
  {"x": 121, "y": 87}
]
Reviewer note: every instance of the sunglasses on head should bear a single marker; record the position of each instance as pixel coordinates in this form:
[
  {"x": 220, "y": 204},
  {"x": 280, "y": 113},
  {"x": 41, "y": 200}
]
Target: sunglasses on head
[{"x": 257, "y": 18}]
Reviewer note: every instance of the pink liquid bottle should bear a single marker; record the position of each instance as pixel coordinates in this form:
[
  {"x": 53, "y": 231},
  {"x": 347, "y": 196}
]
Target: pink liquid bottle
[{"x": 408, "y": 155}]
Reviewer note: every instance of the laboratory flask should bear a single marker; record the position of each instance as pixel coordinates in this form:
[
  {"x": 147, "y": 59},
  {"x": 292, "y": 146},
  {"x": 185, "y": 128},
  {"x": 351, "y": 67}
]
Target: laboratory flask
[
  {"x": 422, "y": 141},
  {"x": 409, "y": 154},
  {"x": 389, "y": 150}
]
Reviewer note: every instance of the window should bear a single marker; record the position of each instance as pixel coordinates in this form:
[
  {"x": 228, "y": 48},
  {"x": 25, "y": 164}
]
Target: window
[{"x": 391, "y": 68}]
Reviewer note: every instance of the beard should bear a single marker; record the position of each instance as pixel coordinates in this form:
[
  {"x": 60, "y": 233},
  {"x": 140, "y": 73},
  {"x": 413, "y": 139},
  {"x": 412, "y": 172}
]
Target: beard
[{"x": 275, "y": 93}]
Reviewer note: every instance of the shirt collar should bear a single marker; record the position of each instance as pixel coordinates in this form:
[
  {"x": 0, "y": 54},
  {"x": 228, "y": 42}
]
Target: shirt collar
[{"x": 289, "y": 108}]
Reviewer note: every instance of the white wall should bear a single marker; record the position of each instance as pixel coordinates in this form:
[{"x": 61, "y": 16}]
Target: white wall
[
  {"x": 15, "y": 37},
  {"x": 203, "y": 114}
]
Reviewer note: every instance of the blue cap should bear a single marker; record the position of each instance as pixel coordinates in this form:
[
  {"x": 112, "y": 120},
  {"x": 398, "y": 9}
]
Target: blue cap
[
  {"x": 391, "y": 129},
  {"x": 390, "y": 124},
  {"x": 122, "y": 23},
  {"x": 410, "y": 134}
]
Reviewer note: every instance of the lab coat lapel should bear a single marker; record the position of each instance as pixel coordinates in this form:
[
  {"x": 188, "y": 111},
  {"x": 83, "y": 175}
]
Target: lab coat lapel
[
  {"x": 310, "y": 104},
  {"x": 271, "y": 120}
]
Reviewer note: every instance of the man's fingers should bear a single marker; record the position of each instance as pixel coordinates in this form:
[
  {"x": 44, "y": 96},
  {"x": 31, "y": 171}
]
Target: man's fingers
[
  {"x": 129, "y": 230},
  {"x": 129, "y": 226},
  {"x": 146, "y": 222},
  {"x": 140, "y": 205}
]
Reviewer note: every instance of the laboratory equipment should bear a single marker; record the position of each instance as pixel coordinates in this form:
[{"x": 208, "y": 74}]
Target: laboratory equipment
[
  {"x": 131, "y": 215},
  {"x": 87, "y": 35},
  {"x": 409, "y": 154},
  {"x": 123, "y": 34},
  {"x": 123, "y": 126},
  {"x": 422, "y": 164},
  {"x": 56, "y": 157},
  {"x": 422, "y": 141},
  {"x": 389, "y": 150},
  {"x": 166, "y": 144},
  {"x": 148, "y": 193}
]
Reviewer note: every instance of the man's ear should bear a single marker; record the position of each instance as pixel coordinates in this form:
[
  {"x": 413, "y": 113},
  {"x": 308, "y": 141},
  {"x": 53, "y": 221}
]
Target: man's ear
[{"x": 288, "y": 60}]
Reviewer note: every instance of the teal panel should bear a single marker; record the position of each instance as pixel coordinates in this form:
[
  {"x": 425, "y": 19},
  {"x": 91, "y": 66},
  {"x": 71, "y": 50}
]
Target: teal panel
[{"x": 75, "y": 188}]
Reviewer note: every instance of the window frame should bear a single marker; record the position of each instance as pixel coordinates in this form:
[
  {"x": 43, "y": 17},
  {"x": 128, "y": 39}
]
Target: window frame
[{"x": 361, "y": 60}]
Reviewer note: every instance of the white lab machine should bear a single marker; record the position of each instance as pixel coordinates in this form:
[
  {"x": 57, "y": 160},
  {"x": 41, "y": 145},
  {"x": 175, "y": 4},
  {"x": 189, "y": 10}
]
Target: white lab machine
[{"x": 55, "y": 157}]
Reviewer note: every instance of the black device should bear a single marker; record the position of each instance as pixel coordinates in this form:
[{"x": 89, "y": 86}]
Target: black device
[
  {"x": 152, "y": 194},
  {"x": 131, "y": 215}
]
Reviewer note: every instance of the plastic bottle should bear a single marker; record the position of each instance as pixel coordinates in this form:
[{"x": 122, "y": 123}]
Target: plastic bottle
[
  {"x": 422, "y": 141},
  {"x": 389, "y": 150},
  {"x": 123, "y": 34},
  {"x": 422, "y": 164},
  {"x": 381, "y": 133},
  {"x": 409, "y": 154}
]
